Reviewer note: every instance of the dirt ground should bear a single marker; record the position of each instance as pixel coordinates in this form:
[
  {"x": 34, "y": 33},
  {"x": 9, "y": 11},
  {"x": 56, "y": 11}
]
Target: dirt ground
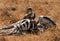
[{"x": 13, "y": 10}]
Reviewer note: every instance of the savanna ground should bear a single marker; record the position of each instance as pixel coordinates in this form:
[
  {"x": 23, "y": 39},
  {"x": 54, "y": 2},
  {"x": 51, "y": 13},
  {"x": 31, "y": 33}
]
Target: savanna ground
[{"x": 50, "y": 8}]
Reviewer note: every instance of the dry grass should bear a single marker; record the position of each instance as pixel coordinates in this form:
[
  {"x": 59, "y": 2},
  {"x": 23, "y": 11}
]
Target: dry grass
[{"x": 50, "y": 8}]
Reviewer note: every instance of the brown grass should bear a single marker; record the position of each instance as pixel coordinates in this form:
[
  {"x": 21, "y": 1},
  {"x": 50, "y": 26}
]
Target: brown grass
[{"x": 50, "y": 8}]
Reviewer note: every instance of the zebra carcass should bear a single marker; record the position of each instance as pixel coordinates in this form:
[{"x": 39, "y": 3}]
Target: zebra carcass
[{"x": 20, "y": 27}]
